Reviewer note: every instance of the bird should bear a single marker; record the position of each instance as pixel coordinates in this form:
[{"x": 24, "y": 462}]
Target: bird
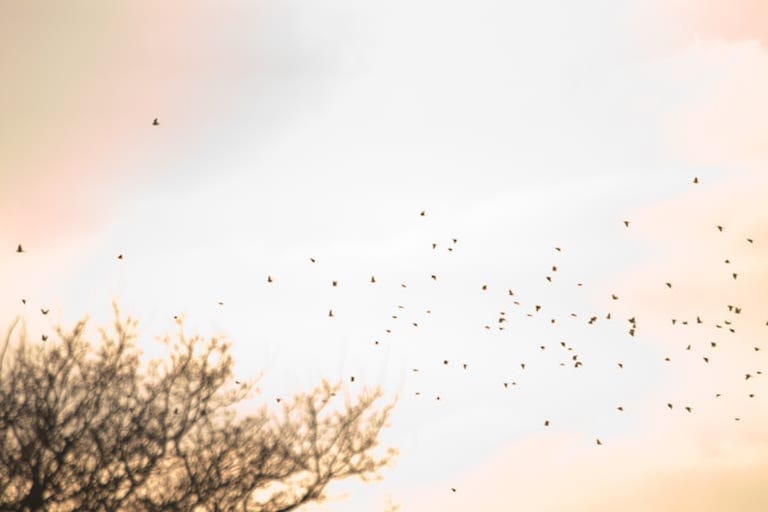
[
  {"x": 455, "y": 240},
  {"x": 620, "y": 408},
  {"x": 312, "y": 260},
  {"x": 735, "y": 275},
  {"x": 330, "y": 312},
  {"x": 626, "y": 223},
  {"x": 434, "y": 245},
  {"x": 334, "y": 283},
  {"x": 688, "y": 408},
  {"x": 24, "y": 301},
  {"x": 453, "y": 489},
  {"x": 352, "y": 378},
  {"x": 558, "y": 249},
  {"x": 44, "y": 337},
  {"x": 269, "y": 279},
  {"x": 373, "y": 279},
  {"x": 19, "y": 248},
  {"x": 720, "y": 228},
  {"x": 598, "y": 442},
  {"x": 155, "y": 122},
  {"x": 695, "y": 179},
  {"x": 434, "y": 277},
  {"x": 614, "y": 296},
  {"x": 669, "y": 405},
  {"x": 485, "y": 287},
  {"x": 120, "y": 256},
  {"x": 750, "y": 240},
  {"x": 669, "y": 285},
  {"x": 44, "y": 311},
  {"x": 546, "y": 423},
  {"x": 423, "y": 213}
]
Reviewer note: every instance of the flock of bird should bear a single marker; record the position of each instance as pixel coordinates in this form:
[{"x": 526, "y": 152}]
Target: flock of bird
[{"x": 501, "y": 319}]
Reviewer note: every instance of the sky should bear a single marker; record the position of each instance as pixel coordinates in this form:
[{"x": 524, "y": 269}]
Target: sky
[{"x": 298, "y": 129}]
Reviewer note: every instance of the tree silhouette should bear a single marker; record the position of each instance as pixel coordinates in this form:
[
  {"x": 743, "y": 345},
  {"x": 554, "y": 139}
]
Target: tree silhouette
[{"x": 90, "y": 427}]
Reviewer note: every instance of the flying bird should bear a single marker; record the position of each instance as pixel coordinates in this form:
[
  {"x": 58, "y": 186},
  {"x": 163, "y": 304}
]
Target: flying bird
[
  {"x": 155, "y": 122},
  {"x": 696, "y": 180},
  {"x": 423, "y": 213},
  {"x": 626, "y": 223},
  {"x": 44, "y": 311},
  {"x": 19, "y": 248},
  {"x": 269, "y": 279},
  {"x": 720, "y": 228}
]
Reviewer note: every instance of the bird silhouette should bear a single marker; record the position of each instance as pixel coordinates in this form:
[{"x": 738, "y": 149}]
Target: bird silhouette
[
  {"x": 696, "y": 180},
  {"x": 19, "y": 248},
  {"x": 44, "y": 311},
  {"x": 155, "y": 122}
]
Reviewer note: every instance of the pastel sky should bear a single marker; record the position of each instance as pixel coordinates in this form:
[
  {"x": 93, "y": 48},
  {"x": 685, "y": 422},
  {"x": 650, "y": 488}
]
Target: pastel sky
[{"x": 294, "y": 129}]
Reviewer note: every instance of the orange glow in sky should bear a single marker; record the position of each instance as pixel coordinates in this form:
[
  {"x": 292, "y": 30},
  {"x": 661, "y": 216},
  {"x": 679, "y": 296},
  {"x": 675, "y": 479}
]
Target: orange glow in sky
[{"x": 304, "y": 129}]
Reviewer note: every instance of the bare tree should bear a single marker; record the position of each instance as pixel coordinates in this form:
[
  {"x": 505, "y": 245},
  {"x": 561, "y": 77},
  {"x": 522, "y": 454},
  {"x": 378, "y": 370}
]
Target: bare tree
[{"x": 89, "y": 427}]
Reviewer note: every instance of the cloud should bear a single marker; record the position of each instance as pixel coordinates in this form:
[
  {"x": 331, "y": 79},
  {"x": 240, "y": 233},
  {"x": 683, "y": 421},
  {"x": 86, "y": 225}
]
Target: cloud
[{"x": 732, "y": 20}]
